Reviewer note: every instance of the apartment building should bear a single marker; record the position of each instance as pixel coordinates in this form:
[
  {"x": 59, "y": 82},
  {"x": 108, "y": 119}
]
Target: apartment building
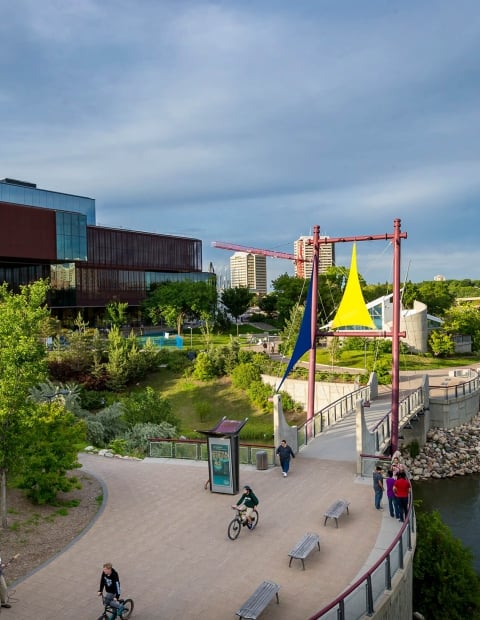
[
  {"x": 250, "y": 271},
  {"x": 303, "y": 249}
]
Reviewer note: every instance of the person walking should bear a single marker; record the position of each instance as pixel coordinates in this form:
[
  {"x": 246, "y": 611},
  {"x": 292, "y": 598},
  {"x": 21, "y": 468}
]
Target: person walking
[
  {"x": 285, "y": 452},
  {"x": 378, "y": 487}
]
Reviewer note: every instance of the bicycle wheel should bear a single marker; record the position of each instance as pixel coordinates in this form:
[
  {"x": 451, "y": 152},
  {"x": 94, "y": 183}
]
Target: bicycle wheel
[
  {"x": 103, "y": 617},
  {"x": 255, "y": 517},
  {"x": 234, "y": 528},
  {"x": 128, "y": 608}
]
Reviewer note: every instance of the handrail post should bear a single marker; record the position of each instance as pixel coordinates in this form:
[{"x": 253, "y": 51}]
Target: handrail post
[
  {"x": 388, "y": 573},
  {"x": 369, "y": 593}
]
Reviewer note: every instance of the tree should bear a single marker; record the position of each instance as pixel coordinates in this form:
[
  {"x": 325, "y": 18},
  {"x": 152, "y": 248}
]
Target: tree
[
  {"x": 445, "y": 585},
  {"x": 290, "y": 291},
  {"x": 268, "y": 304},
  {"x": 463, "y": 320},
  {"x": 237, "y": 301},
  {"x": 175, "y": 301},
  {"x": 50, "y": 452},
  {"x": 116, "y": 313},
  {"x": 441, "y": 344},
  {"x": 436, "y": 296},
  {"x": 24, "y": 320}
]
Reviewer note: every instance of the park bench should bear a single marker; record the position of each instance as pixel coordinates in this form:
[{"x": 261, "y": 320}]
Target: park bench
[
  {"x": 336, "y": 510},
  {"x": 259, "y": 600},
  {"x": 304, "y": 547}
]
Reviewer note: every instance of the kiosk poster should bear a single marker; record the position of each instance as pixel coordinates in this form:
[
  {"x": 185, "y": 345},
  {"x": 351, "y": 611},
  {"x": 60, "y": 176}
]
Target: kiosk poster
[{"x": 221, "y": 463}]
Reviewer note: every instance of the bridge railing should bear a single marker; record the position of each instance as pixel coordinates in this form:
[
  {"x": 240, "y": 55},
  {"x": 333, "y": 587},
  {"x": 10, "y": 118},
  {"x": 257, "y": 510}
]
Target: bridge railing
[{"x": 327, "y": 416}]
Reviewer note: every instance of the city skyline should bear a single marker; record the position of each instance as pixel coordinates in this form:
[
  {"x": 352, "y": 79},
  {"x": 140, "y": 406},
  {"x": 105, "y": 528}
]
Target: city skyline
[{"x": 250, "y": 123}]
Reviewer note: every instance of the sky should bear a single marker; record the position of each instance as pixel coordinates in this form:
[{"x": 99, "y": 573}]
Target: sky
[{"x": 251, "y": 121}]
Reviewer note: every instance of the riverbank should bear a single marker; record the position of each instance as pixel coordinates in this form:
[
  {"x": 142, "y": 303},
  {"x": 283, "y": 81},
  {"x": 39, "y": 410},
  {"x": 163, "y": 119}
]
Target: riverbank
[{"x": 447, "y": 453}]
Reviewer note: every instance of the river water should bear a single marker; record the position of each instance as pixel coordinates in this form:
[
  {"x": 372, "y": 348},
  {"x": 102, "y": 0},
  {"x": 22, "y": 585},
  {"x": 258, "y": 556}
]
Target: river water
[{"x": 458, "y": 502}]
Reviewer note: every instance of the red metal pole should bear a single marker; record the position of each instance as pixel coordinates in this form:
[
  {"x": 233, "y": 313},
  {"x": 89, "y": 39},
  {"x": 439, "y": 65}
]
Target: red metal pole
[
  {"x": 312, "y": 365},
  {"x": 396, "y": 334}
]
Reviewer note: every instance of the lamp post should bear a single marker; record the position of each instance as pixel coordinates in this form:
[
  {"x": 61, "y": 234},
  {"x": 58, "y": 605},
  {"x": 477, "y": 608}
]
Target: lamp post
[{"x": 191, "y": 337}]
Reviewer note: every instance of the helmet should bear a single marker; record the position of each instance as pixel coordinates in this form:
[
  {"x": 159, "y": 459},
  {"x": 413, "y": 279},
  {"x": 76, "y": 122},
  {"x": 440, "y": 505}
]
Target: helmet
[{"x": 246, "y": 487}]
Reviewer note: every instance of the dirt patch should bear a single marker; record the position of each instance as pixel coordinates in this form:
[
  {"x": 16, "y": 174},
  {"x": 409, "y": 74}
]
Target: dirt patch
[{"x": 38, "y": 533}]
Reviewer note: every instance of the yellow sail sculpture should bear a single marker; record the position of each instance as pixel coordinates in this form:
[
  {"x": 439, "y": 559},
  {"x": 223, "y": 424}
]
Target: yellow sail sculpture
[{"x": 352, "y": 311}]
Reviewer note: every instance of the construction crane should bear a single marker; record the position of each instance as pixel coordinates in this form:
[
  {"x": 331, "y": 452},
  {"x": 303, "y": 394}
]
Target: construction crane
[{"x": 240, "y": 248}]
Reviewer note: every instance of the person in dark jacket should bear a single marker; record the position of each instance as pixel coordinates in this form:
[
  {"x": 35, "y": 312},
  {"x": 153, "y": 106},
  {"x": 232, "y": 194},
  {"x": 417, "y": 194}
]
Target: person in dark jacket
[
  {"x": 247, "y": 502},
  {"x": 110, "y": 582},
  {"x": 285, "y": 452}
]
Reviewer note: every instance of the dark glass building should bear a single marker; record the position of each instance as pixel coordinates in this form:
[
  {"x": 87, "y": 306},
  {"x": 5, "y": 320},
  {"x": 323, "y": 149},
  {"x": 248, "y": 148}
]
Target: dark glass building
[{"x": 45, "y": 234}]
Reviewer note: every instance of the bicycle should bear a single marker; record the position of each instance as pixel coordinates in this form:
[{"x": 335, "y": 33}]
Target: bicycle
[
  {"x": 126, "y": 613},
  {"x": 240, "y": 521}
]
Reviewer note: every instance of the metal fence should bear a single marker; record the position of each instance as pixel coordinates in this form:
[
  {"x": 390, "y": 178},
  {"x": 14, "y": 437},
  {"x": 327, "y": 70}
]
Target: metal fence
[
  {"x": 361, "y": 597},
  {"x": 196, "y": 450}
]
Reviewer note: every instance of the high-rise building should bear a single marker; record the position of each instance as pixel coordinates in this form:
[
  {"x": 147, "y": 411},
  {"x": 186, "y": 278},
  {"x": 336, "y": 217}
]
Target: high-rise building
[
  {"x": 303, "y": 248},
  {"x": 249, "y": 270}
]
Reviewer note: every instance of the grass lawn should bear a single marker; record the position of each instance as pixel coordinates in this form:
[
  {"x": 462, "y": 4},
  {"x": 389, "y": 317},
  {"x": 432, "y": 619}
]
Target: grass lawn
[{"x": 201, "y": 405}]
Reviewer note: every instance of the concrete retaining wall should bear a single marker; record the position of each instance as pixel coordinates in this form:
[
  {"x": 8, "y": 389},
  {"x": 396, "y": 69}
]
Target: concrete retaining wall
[{"x": 325, "y": 393}]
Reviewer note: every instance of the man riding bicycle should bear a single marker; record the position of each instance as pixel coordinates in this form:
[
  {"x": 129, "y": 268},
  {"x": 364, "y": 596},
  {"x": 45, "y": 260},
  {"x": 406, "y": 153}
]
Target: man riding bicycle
[
  {"x": 247, "y": 503},
  {"x": 110, "y": 581}
]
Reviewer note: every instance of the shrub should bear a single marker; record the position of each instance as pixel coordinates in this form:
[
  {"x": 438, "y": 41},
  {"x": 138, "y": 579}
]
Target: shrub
[
  {"x": 445, "y": 585},
  {"x": 259, "y": 394},
  {"x": 244, "y": 375},
  {"x": 138, "y": 436},
  {"x": 147, "y": 407},
  {"x": 204, "y": 369}
]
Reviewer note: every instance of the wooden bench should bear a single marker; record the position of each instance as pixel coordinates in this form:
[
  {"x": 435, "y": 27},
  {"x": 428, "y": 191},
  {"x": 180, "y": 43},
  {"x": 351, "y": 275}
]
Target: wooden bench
[
  {"x": 336, "y": 510},
  {"x": 259, "y": 600},
  {"x": 304, "y": 547}
]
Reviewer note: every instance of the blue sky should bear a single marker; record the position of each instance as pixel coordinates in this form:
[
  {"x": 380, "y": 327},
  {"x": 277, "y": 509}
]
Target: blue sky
[{"x": 252, "y": 121}]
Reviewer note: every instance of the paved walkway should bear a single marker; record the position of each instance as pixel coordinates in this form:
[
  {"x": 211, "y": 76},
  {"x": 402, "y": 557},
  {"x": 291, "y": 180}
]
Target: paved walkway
[{"x": 167, "y": 537}]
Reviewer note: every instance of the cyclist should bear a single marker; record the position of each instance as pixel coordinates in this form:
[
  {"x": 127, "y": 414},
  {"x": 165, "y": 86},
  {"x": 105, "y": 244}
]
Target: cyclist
[
  {"x": 110, "y": 581},
  {"x": 247, "y": 502}
]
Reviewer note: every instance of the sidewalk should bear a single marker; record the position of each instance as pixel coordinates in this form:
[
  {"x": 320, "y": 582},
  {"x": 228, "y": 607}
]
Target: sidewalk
[{"x": 167, "y": 537}]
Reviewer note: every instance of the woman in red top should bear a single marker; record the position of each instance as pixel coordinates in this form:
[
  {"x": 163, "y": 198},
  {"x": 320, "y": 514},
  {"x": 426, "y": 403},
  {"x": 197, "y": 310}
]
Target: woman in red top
[{"x": 401, "y": 488}]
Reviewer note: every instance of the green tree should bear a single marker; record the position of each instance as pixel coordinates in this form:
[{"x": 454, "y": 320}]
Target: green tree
[
  {"x": 445, "y": 585},
  {"x": 440, "y": 343},
  {"x": 463, "y": 320},
  {"x": 51, "y": 452},
  {"x": 177, "y": 301},
  {"x": 268, "y": 304},
  {"x": 289, "y": 334},
  {"x": 237, "y": 301},
  {"x": 436, "y": 296},
  {"x": 290, "y": 291},
  {"x": 116, "y": 313},
  {"x": 24, "y": 320}
]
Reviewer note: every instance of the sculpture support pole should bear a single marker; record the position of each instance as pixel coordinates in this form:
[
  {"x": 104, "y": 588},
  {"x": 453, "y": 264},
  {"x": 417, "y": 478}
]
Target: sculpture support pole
[
  {"x": 312, "y": 365},
  {"x": 396, "y": 335}
]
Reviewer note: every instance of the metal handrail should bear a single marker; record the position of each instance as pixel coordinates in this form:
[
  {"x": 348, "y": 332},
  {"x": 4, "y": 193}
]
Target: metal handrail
[{"x": 366, "y": 580}]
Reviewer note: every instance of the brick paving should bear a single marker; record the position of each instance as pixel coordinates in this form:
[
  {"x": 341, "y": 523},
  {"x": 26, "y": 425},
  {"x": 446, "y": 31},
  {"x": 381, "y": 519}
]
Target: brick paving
[{"x": 167, "y": 537}]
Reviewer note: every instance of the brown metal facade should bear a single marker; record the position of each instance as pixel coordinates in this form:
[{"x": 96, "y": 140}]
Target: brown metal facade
[
  {"x": 126, "y": 249},
  {"x": 121, "y": 264},
  {"x": 27, "y": 233}
]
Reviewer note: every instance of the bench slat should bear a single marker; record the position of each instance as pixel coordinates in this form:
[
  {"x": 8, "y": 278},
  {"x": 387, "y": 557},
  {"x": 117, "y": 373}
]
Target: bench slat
[
  {"x": 336, "y": 510},
  {"x": 304, "y": 547},
  {"x": 256, "y": 604}
]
